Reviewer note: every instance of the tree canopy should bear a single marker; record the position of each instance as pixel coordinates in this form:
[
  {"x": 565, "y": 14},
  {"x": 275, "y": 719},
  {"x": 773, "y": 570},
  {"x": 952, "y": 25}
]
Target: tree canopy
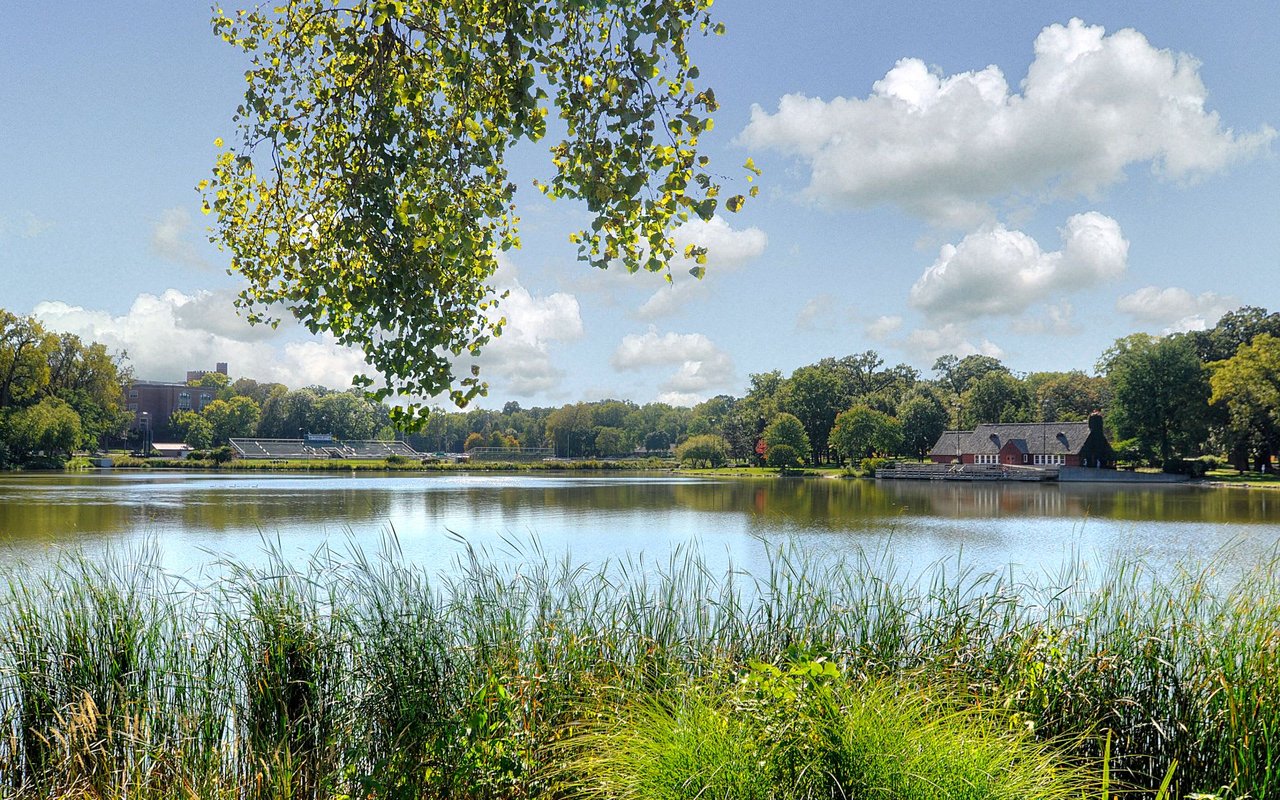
[
  {"x": 787, "y": 431},
  {"x": 57, "y": 393},
  {"x": 1247, "y": 385},
  {"x": 704, "y": 449},
  {"x": 1161, "y": 394},
  {"x": 367, "y": 191},
  {"x": 861, "y": 432}
]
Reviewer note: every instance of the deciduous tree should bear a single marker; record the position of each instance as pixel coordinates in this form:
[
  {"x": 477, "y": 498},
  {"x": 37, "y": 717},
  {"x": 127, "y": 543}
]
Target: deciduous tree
[
  {"x": 610, "y": 441},
  {"x": 958, "y": 374},
  {"x": 923, "y": 421},
  {"x": 50, "y": 428},
  {"x": 232, "y": 418},
  {"x": 861, "y": 432},
  {"x": 1160, "y": 394},
  {"x": 1247, "y": 385},
  {"x": 997, "y": 397},
  {"x": 814, "y": 394},
  {"x": 704, "y": 450},
  {"x": 786, "y": 430},
  {"x": 367, "y": 188},
  {"x": 1067, "y": 396}
]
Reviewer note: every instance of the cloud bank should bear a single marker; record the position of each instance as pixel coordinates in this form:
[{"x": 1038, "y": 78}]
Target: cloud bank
[
  {"x": 167, "y": 334},
  {"x": 942, "y": 147}
]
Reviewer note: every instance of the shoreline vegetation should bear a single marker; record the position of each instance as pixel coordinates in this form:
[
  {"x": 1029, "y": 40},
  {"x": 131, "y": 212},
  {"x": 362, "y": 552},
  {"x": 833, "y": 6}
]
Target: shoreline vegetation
[
  {"x": 1220, "y": 478},
  {"x": 524, "y": 674}
]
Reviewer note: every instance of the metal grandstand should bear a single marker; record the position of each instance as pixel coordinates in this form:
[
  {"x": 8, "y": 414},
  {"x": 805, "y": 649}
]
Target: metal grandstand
[
  {"x": 511, "y": 453},
  {"x": 318, "y": 448}
]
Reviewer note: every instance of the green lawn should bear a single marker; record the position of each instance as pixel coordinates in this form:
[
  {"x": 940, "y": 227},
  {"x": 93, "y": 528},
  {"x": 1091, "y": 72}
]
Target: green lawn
[{"x": 1260, "y": 479}]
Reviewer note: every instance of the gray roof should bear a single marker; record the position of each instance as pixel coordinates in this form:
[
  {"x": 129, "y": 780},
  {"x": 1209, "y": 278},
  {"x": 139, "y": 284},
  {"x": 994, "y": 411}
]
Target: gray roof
[{"x": 1057, "y": 438}]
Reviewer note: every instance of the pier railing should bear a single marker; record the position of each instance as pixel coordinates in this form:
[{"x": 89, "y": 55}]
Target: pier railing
[{"x": 899, "y": 470}]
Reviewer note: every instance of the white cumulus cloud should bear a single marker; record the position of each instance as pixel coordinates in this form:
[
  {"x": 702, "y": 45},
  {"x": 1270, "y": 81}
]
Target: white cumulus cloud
[
  {"x": 926, "y": 344},
  {"x": 820, "y": 313},
  {"x": 728, "y": 248},
  {"x": 519, "y": 362},
  {"x": 167, "y": 334},
  {"x": 996, "y": 271},
  {"x": 701, "y": 367},
  {"x": 944, "y": 146},
  {"x": 1174, "y": 308}
]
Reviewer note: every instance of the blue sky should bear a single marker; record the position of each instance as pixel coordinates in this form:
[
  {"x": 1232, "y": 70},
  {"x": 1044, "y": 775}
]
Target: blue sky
[{"x": 938, "y": 178}]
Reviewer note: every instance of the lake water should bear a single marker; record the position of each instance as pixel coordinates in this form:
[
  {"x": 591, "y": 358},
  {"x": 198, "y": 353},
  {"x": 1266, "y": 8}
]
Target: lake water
[{"x": 193, "y": 519}]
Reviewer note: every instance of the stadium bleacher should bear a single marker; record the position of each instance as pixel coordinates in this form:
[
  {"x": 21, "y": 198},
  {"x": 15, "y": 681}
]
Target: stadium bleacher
[{"x": 304, "y": 449}]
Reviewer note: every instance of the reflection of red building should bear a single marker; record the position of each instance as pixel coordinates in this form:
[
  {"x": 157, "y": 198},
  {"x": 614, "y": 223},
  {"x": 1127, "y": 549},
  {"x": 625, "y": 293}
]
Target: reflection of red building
[{"x": 1068, "y": 444}]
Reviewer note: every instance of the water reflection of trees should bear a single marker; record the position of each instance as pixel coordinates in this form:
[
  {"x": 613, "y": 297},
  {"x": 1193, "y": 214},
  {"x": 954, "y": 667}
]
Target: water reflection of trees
[
  {"x": 112, "y": 509},
  {"x": 51, "y": 509}
]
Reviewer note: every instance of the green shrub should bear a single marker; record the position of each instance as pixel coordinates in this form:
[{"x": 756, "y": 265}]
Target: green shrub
[
  {"x": 1191, "y": 467},
  {"x": 870, "y": 465},
  {"x": 782, "y": 456}
]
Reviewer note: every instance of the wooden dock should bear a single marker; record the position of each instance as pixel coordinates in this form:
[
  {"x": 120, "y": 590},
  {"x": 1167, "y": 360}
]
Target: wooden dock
[{"x": 965, "y": 472}]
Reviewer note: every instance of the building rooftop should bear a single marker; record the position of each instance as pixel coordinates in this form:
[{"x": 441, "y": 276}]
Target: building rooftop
[{"x": 1063, "y": 438}]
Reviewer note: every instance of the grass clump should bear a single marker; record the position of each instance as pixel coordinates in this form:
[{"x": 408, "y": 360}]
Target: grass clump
[{"x": 805, "y": 731}]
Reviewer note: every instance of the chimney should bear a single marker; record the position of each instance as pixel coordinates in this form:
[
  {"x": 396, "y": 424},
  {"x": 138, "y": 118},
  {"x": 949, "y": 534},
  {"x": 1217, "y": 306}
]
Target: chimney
[{"x": 1095, "y": 422}]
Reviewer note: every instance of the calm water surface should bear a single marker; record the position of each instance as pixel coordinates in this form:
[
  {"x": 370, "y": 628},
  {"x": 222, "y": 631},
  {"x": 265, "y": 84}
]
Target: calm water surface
[{"x": 192, "y": 519}]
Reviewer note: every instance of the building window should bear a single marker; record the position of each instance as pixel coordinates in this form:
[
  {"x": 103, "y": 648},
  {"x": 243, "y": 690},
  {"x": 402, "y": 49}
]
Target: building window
[
  {"x": 205, "y": 399},
  {"x": 184, "y": 401},
  {"x": 133, "y": 394}
]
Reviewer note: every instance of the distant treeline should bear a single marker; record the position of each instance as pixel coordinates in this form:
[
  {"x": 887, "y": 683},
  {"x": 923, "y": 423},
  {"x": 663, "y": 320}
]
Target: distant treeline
[{"x": 1214, "y": 392}]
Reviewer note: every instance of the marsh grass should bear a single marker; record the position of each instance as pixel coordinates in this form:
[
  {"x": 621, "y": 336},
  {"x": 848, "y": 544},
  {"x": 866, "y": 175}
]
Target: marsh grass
[
  {"x": 808, "y": 732},
  {"x": 351, "y": 673}
]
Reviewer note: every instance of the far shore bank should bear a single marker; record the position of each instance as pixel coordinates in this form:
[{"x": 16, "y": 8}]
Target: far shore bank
[{"x": 1224, "y": 479}]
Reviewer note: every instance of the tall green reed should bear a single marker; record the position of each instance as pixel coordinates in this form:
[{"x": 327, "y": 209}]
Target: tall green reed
[{"x": 354, "y": 672}]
